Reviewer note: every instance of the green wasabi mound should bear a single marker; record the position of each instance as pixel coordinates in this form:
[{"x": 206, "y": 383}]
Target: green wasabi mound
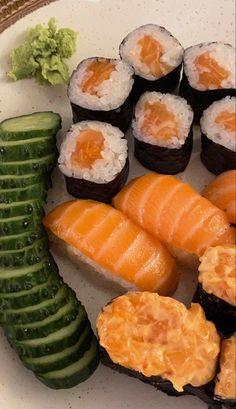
[{"x": 42, "y": 55}]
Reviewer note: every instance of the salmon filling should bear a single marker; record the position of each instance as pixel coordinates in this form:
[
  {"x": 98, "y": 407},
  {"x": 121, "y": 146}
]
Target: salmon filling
[
  {"x": 88, "y": 148},
  {"x": 227, "y": 120},
  {"x": 226, "y": 380},
  {"x": 97, "y": 72},
  {"x": 209, "y": 71},
  {"x": 151, "y": 52},
  {"x": 218, "y": 272},
  {"x": 159, "y": 336},
  {"x": 159, "y": 122}
]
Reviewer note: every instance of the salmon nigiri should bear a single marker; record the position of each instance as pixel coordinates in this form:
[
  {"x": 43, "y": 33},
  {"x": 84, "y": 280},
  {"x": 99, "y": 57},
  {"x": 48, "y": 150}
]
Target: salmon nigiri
[
  {"x": 115, "y": 246},
  {"x": 222, "y": 193},
  {"x": 173, "y": 211}
]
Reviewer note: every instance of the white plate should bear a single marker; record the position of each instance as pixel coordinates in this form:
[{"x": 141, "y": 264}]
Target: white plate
[{"x": 101, "y": 26}]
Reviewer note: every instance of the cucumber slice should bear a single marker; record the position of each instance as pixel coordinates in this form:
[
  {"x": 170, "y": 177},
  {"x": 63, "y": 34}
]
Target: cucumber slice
[
  {"x": 18, "y": 224},
  {"x": 11, "y": 182},
  {"x": 37, "y": 191},
  {"x": 25, "y": 207},
  {"x": 30, "y": 126},
  {"x": 23, "y": 278},
  {"x": 39, "y": 165},
  {"x": 28, "y": 255},
  {"x": 19, "y": 241},
  {"x": 75, "y": 373},
  {"x": 55, "y": 342},
  {"x": 64, "y": 316},
  {"x": 27, "y": 149},
  {"x": 36, "y": 312},
  {"x": 36, "y": 295},
  {"x": 61, "y": 359}
]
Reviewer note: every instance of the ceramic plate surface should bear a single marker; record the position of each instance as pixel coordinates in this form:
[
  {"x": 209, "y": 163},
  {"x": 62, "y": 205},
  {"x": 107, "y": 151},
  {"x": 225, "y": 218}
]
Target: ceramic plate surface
[{"x": 101, "y": 26}]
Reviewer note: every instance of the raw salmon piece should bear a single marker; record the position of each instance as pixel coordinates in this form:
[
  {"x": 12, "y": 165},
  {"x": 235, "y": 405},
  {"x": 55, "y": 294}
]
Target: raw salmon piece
[
  {"x": 222, "y": 193},
  {"x": 151, "y": 52},
  {"x": 227, "y": 120},
  {"x": 108, "y": 238},
  {"x": 159, "y": 122},
  {"x": 175, "y": 213},
  {"x": 210, "y": 73},
  {"x": 88, "y": 148},
  {"x": 97, "y": 72}
]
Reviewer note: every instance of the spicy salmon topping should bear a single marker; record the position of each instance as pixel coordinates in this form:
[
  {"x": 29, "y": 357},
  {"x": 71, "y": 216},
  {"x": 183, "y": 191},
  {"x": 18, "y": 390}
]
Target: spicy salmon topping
[
  {"x": 159, "y": 122},
  {"x": 151, "y": 52},
  {"x": 227, "y": 120},
  {"x": 226, "y": 380},
  {"x": 210, "y": 73},
  {"x": 159, "y": 336},
  {"x": 88, "y": 148},
  {"x": 97, "y": 72}
]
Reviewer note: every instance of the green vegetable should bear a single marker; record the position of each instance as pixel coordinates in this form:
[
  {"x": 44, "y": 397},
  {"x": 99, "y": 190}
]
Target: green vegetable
[{"x": 42, "y": 54}]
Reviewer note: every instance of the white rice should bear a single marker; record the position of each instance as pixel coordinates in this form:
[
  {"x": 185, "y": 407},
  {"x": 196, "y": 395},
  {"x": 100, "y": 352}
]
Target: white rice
[
  {"x": 216, "y": 132},
  {"x": 111, "y": 93},
  {"x": 223, "y": 54},
  {"x": 173, "y": 103},
  {"x": 114, "y": 154},
  {"x": 130, "y": 49}
]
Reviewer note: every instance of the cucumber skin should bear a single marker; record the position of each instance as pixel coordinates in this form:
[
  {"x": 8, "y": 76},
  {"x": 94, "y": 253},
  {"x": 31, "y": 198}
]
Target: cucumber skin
[
  {"x": 79, "y": 376},
  {"x": 13, "y": 182},
  {"x": 41, "y": 165},
  {"x": 29, "y": 255},
  {"x": 27, "y": 151},
  {"x": 28, "y": 207},
  {"x": 77, "y": 352},
  {"x": 20, "y": 241},
  {"x": 21, "y": 135},
  {"x": 37, "y": 191},
  {"x": 26, "y": 223}
]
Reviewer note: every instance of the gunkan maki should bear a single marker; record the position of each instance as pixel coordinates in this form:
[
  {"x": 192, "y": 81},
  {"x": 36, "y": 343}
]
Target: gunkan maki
[
  {"x": 216, "y": 290},
  {"x": 94, "y": 160},
  {"x": 100, "y": 89},
  {"x": 159, "y": 341},
  {"x": 156, "y": 57},
  {"x": 209, "y": 75},
  {"x": 162, "y": 129},
  {"x": 218, "y": 127}
]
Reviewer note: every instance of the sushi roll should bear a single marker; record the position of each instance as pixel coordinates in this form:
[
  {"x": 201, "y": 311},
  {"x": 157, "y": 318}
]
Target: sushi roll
[
  {"x": 100, "y": 89},
  {"x": 209, "y": 75},
  {"x": 94, "y": 160},
  {"x": 218, "y": 127},
  {"x": 225, "y": 383},
  {"x": 156, "y": 57},
  {"x": 216, "y": 291},
  {"x": 159, "y": 341},
  {"x": 174, "y": 212},
  {"x": 162, "y": 129},
  {"x": 222, "y": 193},
  {"x": 113, "y": 245}
]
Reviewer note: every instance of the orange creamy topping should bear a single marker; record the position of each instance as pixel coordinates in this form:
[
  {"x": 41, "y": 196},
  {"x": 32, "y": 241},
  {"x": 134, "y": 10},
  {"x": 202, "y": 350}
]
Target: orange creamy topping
[
  {"x": 228, "y": 120},
  {"x": 158, "y": 336},
  {"x": 218, "y": 272},
  {"x": 226, "y": 379},
  {"x": 150, "y": 55},
  {"x": 209, "y": 71},
  {"x": 88, "y": 148},
  {"x": 97, "y": 72},
  {"x": 159, "y": 122}
]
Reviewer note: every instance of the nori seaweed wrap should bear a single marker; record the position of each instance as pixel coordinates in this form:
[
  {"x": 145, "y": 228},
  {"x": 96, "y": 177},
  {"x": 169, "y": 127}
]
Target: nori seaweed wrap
[
  {"x": 162, "y": 130},
  {"x": 94, "y": 160},
  {"x": 209, "y": 75},
  {"x": 156, "y": 57},
  {"x": 100, "y": 89},
  {"x": 159, "y": 341}
]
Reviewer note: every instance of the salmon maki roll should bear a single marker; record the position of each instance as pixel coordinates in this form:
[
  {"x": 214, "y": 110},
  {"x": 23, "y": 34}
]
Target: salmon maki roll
[
  {"x": 113, "y": 245},
  {"x": 222, "y": 193},
  {"x": 174, "y": 212},
  {"x": 218, "y": 127},
  {"x": 156, "y": 57},
  {"x": 100, "y": 89},
  {"x": 209, "y": 75}
]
